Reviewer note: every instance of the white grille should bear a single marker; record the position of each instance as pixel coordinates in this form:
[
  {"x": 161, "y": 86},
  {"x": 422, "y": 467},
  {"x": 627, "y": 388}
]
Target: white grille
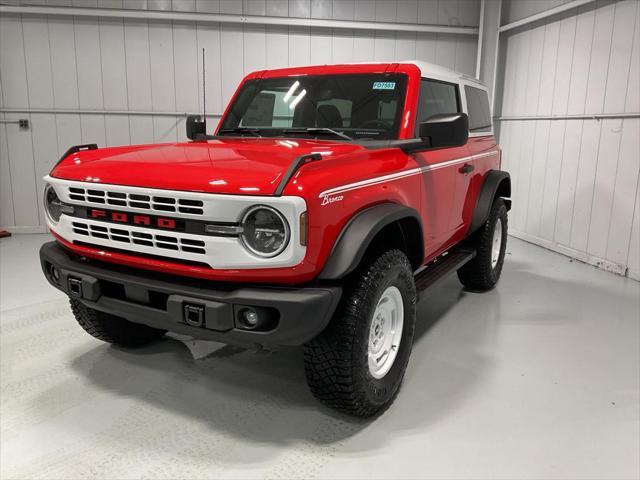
[
  {"x": 123, "y": 235},
  {"x": 218, "y": 252},
  {"x": 161, "y": 204}
]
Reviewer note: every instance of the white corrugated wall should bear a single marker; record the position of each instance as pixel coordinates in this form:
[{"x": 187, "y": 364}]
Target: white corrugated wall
[
  {"x": 575, "y": 181},
  {"x": 151, "y": 66}
]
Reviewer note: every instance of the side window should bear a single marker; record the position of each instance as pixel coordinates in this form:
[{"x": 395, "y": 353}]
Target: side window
[
  {"x": 436, "y": 97},
  {"x": 478, "y": 107}
]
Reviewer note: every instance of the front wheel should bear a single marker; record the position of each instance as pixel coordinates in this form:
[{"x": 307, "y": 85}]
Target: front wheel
[
  {"x": 357, "y": 364},
  {"x": 490, "y": 242}
]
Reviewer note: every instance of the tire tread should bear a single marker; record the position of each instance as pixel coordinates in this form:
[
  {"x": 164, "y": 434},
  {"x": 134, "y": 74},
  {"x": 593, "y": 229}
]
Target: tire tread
[
  {"x": 478, "y": 274},
  {"x": 113, "y": 329},
  {"x": 333, "y": 371}
]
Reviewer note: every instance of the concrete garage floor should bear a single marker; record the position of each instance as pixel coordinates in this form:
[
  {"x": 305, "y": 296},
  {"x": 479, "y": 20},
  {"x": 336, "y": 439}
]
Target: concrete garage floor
[{"x": 537, "y": 379}]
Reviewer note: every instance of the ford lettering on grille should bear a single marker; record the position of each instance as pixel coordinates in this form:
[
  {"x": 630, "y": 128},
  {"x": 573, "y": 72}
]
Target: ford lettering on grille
[{"x": 133, "y": 219}]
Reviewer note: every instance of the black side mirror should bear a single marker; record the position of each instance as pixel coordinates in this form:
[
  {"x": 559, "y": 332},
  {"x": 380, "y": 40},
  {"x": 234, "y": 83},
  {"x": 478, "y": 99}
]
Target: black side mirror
[
  {"x": 195, "y": 127},
  {"x": 445, "y": 130}
]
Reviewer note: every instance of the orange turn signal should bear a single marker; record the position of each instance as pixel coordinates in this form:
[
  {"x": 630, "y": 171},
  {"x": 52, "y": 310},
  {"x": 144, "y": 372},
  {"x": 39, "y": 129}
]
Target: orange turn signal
[{"x": 303, "y": 228}]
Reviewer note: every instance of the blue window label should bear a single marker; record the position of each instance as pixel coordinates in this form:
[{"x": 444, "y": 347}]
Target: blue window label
[{"x": 384, "y": 85}]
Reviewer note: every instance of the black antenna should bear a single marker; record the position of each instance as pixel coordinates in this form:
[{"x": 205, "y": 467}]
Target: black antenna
[{"x": 204, "y": 95}]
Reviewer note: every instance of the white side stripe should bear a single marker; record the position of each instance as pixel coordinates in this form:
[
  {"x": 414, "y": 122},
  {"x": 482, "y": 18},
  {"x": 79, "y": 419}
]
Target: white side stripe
[
  {"x": 371, "y": 181},
  {"x": 403, "y": 174}
]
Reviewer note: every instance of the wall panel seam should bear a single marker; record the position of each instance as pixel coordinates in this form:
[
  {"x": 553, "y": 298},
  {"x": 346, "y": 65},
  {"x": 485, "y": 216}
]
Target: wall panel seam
[
  {"x": 535, "y": 130},
  {"x": 104, "y": 120},
  {"x": 173, "y": 61},
  {"x": 575, "y": 181},
  {"x": 553, "y": 94},
  {"x": 633, "y": 215},
  {"x": 53, "y": 93},
  {"x": 564, "y": 132},
  {"x": 33, "y": 157},
  {"x": 613, "y": 19},
  {"x": 13, "y": 204},
  {"x": 626, "y": 93},
  {"x": 518, "y": 166}
]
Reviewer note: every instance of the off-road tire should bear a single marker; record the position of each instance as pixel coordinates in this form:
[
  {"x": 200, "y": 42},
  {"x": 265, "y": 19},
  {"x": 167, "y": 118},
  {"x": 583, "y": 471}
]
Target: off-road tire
[
  {"x": 112, "y": 329},
  {"x": 479, "y": 274},
  {"x": 336, "y": 361}
]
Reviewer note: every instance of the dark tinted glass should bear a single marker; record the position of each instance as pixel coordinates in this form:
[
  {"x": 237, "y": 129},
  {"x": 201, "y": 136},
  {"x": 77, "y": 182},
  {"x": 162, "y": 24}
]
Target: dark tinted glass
[
  {"x": 436, "y": 97},
  {"x": 360, "y": 106},
  {"x": 479, "y": 112}
]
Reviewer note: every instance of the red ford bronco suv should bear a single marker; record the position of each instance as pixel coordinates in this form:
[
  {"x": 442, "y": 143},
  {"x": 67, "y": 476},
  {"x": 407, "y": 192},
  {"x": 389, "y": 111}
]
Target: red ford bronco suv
[{"x": 327, "y": 197}]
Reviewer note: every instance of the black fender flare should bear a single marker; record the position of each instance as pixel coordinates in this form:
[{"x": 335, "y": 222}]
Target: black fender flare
[
  {"x": 496, "y": 183},
  {"x": 359, "y": 232}
]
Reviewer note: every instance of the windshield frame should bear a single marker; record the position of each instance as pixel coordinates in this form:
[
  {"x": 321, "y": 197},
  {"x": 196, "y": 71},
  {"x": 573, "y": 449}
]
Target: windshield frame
[{"x": 395, "y": 133}]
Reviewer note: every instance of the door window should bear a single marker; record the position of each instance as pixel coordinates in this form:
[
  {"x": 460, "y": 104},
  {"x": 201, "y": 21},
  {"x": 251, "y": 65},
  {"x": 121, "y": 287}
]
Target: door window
[
  {"x": 479, "y": 112},
  {"x": 436, "y": 97}
]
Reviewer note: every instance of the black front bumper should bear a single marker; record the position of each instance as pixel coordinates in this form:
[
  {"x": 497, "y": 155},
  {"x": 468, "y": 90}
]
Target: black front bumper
[{"x": 162, "y": 301}]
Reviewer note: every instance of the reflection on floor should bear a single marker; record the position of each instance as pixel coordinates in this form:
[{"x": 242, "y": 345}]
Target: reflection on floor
[{"x": 537, "y": 379}]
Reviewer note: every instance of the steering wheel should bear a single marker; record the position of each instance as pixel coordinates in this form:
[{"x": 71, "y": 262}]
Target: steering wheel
[{"x": 375, "y": 123}]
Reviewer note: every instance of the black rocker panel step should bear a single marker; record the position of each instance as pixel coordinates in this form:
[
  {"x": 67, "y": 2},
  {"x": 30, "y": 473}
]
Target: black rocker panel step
[{"x": 441, "y": 267}]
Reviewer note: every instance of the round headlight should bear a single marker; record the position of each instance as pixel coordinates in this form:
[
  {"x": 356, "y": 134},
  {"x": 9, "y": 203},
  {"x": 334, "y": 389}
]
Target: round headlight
[
  {"x": 265, "y": 232},
  {"x": 52, "y": 204}
]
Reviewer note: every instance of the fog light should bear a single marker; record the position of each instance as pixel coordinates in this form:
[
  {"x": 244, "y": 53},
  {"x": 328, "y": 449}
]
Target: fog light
[
  {"x": 55, "y": 274},
  {"x": 260, "y": 319},
  {"x": 250, "y": 317}
]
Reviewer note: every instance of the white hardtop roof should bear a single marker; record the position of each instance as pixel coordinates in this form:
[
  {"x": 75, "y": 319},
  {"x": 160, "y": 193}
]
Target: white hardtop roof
[
  {"x": 428, "y": 69},
  {"x": 438, "y": 72}
]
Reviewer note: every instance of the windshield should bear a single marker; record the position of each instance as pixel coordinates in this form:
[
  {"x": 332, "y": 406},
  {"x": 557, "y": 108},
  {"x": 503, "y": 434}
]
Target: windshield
[{"x": 337, "y": 106}]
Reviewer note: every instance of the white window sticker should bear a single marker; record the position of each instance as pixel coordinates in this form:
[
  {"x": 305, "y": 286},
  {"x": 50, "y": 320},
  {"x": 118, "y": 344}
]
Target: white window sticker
[{"x": 384, "y": 85}]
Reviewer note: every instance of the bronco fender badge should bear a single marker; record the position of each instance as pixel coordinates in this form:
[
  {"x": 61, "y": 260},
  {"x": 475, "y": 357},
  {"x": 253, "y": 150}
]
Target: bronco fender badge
[{"x": 326, "y": 200}]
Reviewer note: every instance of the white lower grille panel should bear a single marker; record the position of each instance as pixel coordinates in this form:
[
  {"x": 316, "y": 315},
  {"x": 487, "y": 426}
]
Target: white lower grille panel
[
  {"x": 155, "y": 240},
  {"x": 217, "y": 252}
]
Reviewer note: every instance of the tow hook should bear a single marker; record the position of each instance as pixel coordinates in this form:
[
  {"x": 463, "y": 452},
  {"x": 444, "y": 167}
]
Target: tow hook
[
  {"x": 194, "y": 315},
  {"x": 75, "y": 287}
]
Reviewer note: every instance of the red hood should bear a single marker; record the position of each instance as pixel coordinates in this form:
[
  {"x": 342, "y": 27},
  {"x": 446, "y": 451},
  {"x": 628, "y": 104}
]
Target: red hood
[{"x": 246, "y": 166}]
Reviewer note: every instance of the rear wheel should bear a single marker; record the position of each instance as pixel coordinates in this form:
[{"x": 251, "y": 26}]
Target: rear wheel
[
  {"x": 490, "y": 242},
  {"x": 112, "y": 329},
  {"x": 357, "y": 364}
]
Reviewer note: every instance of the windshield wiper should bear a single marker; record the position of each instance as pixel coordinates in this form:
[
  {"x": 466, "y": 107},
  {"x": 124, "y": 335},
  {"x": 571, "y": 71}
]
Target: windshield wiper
[
  {"x": 316, "y": 130},
  {"x": 253, "y": 131}
]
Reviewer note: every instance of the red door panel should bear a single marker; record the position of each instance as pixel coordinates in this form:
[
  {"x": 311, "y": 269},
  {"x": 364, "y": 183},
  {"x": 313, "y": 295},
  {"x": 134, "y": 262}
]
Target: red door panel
[{"x": 440, "y": 206}]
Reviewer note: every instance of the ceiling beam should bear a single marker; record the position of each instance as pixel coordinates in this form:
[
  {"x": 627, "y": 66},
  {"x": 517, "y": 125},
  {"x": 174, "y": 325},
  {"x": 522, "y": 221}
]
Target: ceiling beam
[
  {"x": 545, "y": 14},
  {"x": 233, "y": 19}
]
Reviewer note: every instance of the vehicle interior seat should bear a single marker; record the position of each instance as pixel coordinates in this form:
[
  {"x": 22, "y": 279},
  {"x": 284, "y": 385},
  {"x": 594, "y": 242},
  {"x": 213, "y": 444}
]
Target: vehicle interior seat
[{"x": 328, "y": 116}]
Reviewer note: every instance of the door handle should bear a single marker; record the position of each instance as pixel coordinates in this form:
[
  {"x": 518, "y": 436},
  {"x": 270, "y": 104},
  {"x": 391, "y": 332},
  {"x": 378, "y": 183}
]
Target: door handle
[{"x": 466, "y": 168}]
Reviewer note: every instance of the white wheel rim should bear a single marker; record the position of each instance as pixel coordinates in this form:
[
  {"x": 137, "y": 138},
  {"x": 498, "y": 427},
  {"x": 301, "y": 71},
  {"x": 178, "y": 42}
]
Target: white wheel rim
[
  {"x": 386, "y": 332},
  {"x": 496, "y": 243}
]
